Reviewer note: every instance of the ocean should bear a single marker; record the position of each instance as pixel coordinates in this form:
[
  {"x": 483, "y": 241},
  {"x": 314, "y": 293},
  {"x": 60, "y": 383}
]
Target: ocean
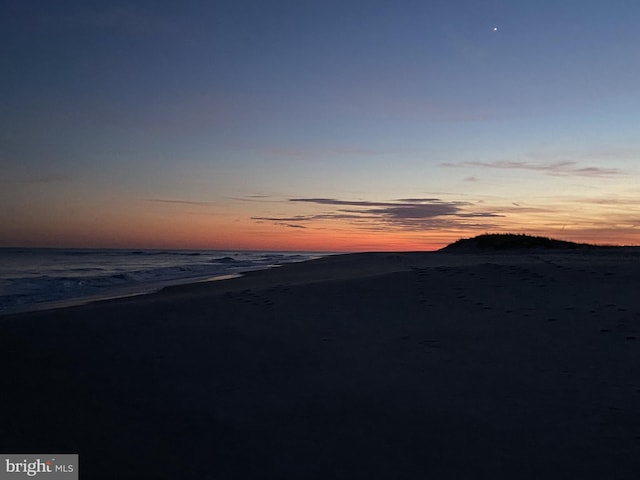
[{"x": 36, "y": 278}]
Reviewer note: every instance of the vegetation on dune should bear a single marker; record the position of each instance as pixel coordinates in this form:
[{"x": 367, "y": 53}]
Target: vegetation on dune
[{"x": 508, "y": 241}]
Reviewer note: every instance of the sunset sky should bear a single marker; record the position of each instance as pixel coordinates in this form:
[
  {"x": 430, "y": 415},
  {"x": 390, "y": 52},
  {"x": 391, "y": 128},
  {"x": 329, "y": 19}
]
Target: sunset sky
[{"x": 318, "y": 125}]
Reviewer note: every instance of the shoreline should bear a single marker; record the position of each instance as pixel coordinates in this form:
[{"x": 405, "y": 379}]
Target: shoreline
[
  {"x": 151, "y": 288},
  {"x": 37, "y": 279},
  {"x": 382, "y": 365},
  {"x": 115, "y": 294}
]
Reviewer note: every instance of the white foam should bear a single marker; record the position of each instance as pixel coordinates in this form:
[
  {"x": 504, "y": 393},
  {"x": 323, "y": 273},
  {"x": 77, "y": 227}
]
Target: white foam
[{"x": 32, "y": 278}]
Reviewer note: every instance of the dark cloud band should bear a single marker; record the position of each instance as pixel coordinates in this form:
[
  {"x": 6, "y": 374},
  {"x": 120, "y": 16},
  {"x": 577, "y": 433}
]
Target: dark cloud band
[{"x": 410, "y": 214}]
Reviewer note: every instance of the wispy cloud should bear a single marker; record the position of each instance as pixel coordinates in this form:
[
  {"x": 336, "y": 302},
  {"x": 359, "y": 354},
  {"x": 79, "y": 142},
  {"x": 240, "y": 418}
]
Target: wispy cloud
[
  {"x": 408, "y": 202},
  {"x": 411, "y": 214},
  {"x": 254, "y": 199},
  {"x": 181, "y": 202},
  {"x": 562, "y": 168},
  {"x": 285, "y": 151},
  {"x": 631, "y": 201},
  {"x": 599, "y": 154},
  {"x": 293, "y": 225}
]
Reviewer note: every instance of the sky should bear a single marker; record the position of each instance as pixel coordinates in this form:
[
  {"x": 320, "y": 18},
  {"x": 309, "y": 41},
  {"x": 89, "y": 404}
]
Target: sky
[{"x": 317, "y": 125}]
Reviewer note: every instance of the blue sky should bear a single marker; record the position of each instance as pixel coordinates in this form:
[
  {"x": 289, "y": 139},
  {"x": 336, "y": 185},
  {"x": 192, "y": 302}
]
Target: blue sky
[{"x": 204, "y": 124}]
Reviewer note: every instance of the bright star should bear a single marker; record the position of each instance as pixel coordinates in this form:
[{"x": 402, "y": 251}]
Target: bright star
[{"x": 495, "y": 29}]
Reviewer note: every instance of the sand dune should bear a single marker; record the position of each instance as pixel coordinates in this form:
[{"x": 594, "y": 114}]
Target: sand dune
[{"x": 411, "y": 365}]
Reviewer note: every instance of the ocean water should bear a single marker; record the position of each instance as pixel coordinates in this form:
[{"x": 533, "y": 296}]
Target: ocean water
[{"x": 33, "y": 278}]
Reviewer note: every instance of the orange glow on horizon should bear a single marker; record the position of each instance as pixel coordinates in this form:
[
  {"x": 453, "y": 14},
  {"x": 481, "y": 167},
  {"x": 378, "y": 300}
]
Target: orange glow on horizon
[
  {"x": 171, "y": 227},
  {"x": 283, "y": 239}
]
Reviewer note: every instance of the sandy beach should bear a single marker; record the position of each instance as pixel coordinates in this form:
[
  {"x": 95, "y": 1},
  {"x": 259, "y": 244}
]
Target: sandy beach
[{"x": 519, "y": 365}]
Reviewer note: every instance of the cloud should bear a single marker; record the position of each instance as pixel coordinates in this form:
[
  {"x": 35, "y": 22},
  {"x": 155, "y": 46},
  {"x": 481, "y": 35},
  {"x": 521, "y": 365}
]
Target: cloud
[
  {"x": 329, "y": 151},
  {"x": 254, "y": 198},
  {"x": 404, "y": 211},
  {"x": 417, "y": 200},
  {"x": 561, "y": 168},
  {"x": 631, "y": 201},
  {"x": 410, "y": 214},
  {"x": 606, "y": 154},
  {"x": 181, "y": 202},
  {"x": 361, "y": 203},
  {"x": 298, "y": 218}
]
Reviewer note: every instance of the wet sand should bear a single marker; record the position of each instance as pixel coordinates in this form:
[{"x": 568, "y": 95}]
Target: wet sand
[{"x": 391, "y": 366}]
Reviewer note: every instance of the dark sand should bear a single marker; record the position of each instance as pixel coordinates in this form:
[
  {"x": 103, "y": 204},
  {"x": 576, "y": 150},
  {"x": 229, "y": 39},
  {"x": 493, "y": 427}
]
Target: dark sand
[{"x": 378, "y": 366}]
